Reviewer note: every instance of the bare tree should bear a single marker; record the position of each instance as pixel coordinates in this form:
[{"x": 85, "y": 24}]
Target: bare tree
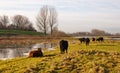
[
  {"x": 52, "y": 19},
  {"x": 20, "y": 21},
  {"x": 42, "y": 19},
  {"x": 30, "y": 27},
  {"x": 11, "y": 27},
  {"x": 4, "y": 20}
]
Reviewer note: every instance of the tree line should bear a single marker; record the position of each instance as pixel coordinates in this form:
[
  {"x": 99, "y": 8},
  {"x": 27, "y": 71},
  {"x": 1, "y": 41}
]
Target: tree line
[
  {"x": 18, "y": 22},
  {"x": 46, "y": 21},
  {"x": 94, "y": 32}
]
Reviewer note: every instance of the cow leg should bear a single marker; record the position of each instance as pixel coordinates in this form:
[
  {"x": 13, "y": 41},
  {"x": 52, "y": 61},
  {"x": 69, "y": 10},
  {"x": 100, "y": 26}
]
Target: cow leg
[{"x": 62, "y": 51}]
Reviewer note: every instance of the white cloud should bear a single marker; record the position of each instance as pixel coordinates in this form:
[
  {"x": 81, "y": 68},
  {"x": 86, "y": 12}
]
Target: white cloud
[
  {"x": 86, "y": 22},
  {"x": 77, "y": 14}
]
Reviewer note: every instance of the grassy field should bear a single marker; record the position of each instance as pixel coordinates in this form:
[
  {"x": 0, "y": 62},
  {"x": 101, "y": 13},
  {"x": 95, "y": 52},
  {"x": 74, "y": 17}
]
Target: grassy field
[
  {"x": 18, "y": 32},
  {"x": 95, "y": 58}
]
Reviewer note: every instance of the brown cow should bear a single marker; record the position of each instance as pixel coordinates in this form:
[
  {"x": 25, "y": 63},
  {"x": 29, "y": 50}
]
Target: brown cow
[{"x": 36, "y": 53}]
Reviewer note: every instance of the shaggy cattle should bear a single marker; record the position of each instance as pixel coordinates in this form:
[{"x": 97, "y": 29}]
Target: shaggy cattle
[
  {"x": 100, "y": 39},
  {"x": 82, "y": 40},
  {"x": 87, "y": 40},
  {"x": 63, "y": 46},
  {"x": 93, "y": 39},
  {"x": 36, "y": 53}
]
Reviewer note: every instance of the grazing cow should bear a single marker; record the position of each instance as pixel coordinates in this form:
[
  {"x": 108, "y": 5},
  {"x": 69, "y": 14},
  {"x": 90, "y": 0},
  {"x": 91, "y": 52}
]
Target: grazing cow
[
  {"x": 82, "y": 40},
  {"x": 36, "y": 53},
  {"x": 87, "y": 41},
  {"x": 63, "y": 46},
  {"x": 93, "y": 39},
  {"x": 100, "y": 39}
]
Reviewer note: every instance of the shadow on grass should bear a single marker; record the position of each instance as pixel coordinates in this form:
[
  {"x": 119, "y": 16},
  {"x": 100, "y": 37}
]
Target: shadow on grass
[{"x": 50, "y": 55}]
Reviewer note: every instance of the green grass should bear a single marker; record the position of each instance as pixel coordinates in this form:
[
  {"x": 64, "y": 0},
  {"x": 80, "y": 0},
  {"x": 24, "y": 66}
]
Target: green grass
[
  {"x": 95, "y": 58},
  {"x": 19, "y": 32}
]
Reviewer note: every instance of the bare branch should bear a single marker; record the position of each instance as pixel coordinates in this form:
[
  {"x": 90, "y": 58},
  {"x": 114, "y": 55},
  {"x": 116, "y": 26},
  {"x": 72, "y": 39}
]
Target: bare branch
[{"x": 42, "y": 21}]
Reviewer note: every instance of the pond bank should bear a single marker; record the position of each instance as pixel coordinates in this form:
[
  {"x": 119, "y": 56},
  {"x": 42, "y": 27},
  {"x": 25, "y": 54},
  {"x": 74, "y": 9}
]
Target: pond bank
[
  {"x": 23, "y": 51},
  {"x": 25, "y": 40}
]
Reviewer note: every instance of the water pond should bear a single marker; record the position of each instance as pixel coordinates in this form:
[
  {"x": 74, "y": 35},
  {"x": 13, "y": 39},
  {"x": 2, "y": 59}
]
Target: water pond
[{"x": 12, "y": 52}]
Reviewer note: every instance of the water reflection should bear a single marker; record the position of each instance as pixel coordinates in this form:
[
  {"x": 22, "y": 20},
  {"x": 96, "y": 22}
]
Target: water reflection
[{"x": 8, "y": 53}]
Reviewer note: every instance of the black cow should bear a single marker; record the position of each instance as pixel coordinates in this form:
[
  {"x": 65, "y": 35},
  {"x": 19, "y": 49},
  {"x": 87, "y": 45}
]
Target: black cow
[
  {"x": 87, "y": 40},
  {"x": 82, "y": 40},
  {"x": 63, "y": 46},
  {"x": 100, "y": 39},
  {"x": 93, "y": 39}
]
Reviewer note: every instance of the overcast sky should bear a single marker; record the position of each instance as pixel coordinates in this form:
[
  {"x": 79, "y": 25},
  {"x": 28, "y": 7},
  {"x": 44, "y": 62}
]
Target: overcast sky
[{"x": 73, "y": 15}]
